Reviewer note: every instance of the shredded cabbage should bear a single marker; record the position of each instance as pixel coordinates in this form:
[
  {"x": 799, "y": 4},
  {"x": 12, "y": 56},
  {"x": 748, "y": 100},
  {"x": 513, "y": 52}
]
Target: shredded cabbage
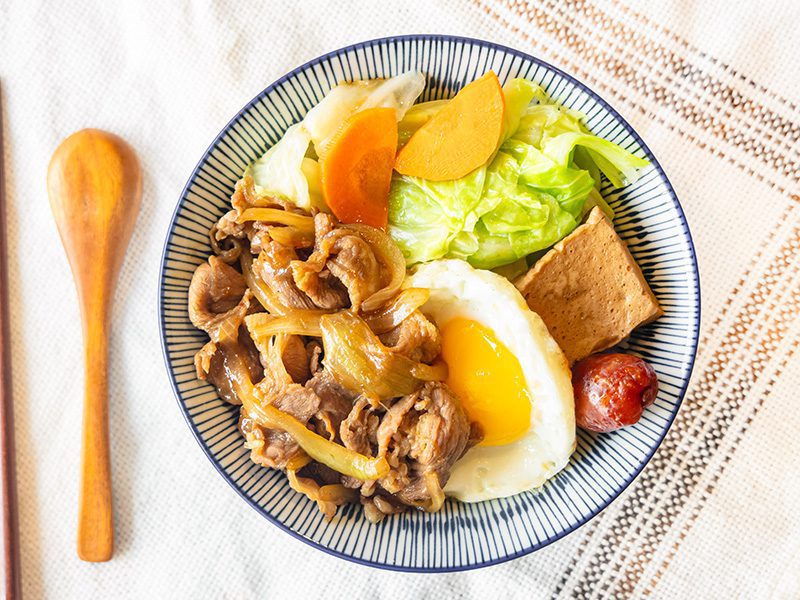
[{"x": 543, "y": 178}]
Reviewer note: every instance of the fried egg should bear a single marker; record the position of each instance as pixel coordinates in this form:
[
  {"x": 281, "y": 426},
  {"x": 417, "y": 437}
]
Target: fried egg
[{"x": 509, "y": 374}]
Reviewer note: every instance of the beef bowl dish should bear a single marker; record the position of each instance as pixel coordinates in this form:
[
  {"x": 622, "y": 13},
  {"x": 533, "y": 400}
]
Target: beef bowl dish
[{"x": 429, "y": 321}]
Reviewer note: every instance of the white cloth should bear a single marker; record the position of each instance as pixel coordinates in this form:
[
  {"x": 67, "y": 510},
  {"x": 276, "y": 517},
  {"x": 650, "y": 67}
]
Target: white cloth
[{"x": 712, "y": 87}]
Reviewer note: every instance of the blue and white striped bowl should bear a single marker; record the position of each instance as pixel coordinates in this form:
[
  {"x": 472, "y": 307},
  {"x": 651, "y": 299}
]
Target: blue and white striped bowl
[{"x": 461, "y": 536}]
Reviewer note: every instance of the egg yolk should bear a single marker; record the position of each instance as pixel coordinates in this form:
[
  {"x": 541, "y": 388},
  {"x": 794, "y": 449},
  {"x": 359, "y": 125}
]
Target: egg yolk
[{"x": 487, "y": 379}]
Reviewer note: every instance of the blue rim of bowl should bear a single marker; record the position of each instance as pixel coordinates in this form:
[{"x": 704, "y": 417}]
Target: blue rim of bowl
[{"x": 484, "y": 44}]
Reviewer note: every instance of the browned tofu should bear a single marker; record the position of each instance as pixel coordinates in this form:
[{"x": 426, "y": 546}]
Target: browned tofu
[{"x": 589, "y": 290}]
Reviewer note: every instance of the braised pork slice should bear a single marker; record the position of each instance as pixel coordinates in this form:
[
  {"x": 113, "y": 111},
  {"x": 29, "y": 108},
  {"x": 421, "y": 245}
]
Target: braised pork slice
[
  {"x": 209, "y": 365},
  {"x": 359, "y": 431},
  {"x": 341, "y": 255},
  {"x": 273, "y": 448},
  {"x": 416, "y": 337},
  {"x": 353, "y": 263},
  {"x": 295, "y": 359},
  {"x": 314, "y": 354},
  {"x": 244, "y": 197},
  {"x": 215, "y": 292},
  {"x": 324, "y": 290},
  {"x": 428, "y": 431},
  {"x": 377, "y": 506},
  {"x": 335, "y": 402},
  {"x": 218, "y": 303},
  {"x": 421, "y": 436},
  {"x": 273, "y": 268},
  {"x": 268, "y": 447},
  {"x": 277, "y": 267},
  {"x": 228, "y": 227}
]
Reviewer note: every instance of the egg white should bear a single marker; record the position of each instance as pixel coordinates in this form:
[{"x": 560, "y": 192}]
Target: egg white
[{"x": 486, "y": 472}]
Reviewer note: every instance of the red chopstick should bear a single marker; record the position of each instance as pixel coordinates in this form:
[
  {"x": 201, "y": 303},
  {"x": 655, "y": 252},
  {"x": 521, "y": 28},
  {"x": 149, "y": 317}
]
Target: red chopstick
[{"x": 10, "y": 524}]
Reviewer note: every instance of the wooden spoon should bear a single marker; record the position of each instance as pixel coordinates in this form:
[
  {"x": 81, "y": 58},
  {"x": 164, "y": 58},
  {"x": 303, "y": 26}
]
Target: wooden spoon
[{"x": 95, "y": 190}]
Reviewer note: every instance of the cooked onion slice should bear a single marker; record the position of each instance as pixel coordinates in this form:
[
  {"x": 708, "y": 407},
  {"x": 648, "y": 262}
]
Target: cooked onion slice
[
  {"x": 279, "y": 216},
  {"x": 328, "y": 453},
  {"x": 297, "y": 322},
  {"x": 306, "y": 321},
  {"x": 357, "y": 359},
  {"x": 435, "y": 372},
  {"x": 292, "y": 236},
  {"x": 394, "y": 313}
]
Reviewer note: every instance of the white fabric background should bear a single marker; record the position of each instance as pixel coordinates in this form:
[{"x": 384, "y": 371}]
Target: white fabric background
[{"x": 166, "y": 77}]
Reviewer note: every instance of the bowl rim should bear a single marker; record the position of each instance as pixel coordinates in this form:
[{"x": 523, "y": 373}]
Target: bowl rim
[{"x": 696, "y": 302}]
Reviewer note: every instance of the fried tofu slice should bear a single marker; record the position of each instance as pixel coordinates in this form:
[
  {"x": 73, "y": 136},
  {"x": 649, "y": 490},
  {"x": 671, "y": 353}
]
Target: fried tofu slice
[{"x": 589, "y": 290}]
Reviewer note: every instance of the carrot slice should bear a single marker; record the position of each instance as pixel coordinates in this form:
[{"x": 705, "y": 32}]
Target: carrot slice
[
  {"x": 357, "y": 167},
  {"x": 460, "y": 137}
]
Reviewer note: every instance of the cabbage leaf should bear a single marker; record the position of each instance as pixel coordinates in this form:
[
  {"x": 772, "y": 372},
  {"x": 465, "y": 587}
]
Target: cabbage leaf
[
  {"x": 286, "y": 172},
  {"x": 534, "y": 191}
]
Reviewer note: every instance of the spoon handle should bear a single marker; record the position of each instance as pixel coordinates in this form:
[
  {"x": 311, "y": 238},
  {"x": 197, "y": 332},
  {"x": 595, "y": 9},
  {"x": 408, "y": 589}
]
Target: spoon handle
[{"x": 95, "y": 521}]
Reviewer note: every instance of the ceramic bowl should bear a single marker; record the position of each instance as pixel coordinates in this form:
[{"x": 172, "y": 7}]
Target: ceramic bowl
[{"x": 460, "y": 536}]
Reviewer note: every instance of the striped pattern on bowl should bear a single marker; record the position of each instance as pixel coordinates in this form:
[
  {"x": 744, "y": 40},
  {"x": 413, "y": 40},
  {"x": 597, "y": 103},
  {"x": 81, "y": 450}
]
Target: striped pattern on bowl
[{"x": 461, "y": 536}]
